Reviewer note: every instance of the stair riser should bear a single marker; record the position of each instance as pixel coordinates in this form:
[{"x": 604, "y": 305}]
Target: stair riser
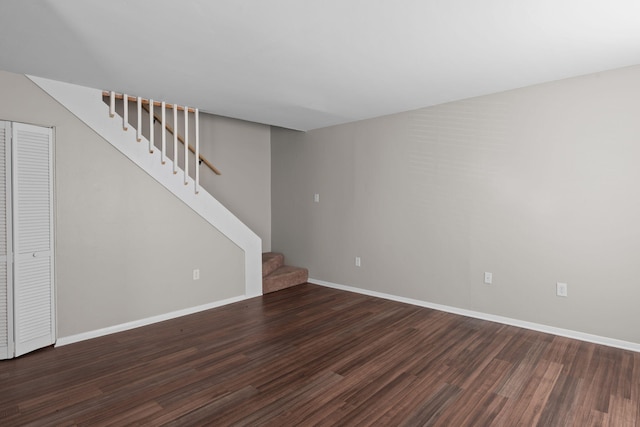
[
  {"x": 271, "y": 264},
  {"x": 272, "y": 284}
]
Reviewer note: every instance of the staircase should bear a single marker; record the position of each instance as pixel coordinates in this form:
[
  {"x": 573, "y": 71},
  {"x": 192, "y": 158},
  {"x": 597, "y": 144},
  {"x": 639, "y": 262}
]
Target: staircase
[{"x": 277, "y": 276}]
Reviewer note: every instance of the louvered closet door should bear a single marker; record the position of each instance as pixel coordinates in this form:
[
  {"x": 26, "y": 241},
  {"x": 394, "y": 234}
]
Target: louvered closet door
[
  {"x": 6, "y": 299},
  {"x": 32, "y": 238}
]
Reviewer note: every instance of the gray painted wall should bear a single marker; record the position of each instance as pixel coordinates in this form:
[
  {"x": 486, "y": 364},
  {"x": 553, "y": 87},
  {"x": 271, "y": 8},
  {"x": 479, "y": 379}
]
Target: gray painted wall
[
  {"x": 535, "y": 185},
  {"x": 118, "y": 259},
  {"x": 242, "y": 152}
]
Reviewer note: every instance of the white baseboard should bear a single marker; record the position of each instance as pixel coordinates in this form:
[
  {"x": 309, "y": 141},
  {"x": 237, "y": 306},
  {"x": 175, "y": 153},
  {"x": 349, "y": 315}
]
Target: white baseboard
[
  {"x": 596, "y": 339},
  {"x": 144, "y": 322}
]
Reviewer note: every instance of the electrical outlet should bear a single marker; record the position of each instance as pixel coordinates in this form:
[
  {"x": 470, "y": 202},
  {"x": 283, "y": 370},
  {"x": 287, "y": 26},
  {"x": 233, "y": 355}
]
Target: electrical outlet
[
  {"x": 561, "y": 289},
  {"x": 196, "y": 274},
  {"x": 358, "y": 261},
  {"x": 316, "y": 198},
  {"x": 488, "y": 278}
]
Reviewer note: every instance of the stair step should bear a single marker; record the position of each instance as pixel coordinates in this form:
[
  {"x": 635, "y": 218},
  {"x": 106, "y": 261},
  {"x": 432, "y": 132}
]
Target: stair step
[
  {"x": 271, "y": 261},
  {"x": 284, "y": 277}
]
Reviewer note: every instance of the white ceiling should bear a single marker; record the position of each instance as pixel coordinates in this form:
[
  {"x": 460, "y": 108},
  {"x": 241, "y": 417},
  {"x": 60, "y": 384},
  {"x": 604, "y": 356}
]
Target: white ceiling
[{"x": 304, "y": 64}]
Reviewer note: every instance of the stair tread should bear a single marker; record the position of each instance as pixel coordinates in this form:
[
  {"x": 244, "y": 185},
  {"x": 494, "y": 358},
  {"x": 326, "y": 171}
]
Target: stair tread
[
  {"x": 286, "y": 269},
  {"x": 266, "y": 256}
]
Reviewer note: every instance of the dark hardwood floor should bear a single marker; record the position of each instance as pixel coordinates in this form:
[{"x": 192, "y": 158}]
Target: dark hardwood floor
[{"x": 310, "y": 355}]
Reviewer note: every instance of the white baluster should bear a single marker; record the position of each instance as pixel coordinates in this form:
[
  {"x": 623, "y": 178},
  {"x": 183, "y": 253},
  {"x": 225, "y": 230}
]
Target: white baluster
[
  {"x": 164, "y": 132},
  {"x": 112, "y": 104},
  {"x": 197, "y": 165},
  {"x": 139, "y": 130},
  {"x": 151, "y": 126},
  {"x": 186, "y": 145},
  {"x": 125, "y": 112},
  {"x": 175, "y": 139}
]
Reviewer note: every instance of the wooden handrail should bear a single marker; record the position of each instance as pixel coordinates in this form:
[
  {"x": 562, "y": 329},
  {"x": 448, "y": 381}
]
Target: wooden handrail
[{"x": 145, "y": 103}]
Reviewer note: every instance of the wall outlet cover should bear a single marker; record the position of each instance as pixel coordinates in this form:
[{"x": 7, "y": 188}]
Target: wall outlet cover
[
  {"x": 488, "y": 278},
  {"x": 562, "y": 289}
]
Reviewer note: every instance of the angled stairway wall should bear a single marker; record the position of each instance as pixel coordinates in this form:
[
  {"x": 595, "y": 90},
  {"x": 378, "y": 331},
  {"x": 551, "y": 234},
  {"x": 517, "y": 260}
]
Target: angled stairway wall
[{"x": 86, "y": 104}]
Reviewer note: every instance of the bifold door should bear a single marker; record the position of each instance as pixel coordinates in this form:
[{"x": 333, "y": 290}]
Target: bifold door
[{"x": 29, "y": 239}]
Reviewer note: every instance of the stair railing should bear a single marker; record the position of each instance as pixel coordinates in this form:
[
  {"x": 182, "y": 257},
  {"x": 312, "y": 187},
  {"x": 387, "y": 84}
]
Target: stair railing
[
  {"x": 148, "y": 106},
  {"x": 179, "y": 137}
]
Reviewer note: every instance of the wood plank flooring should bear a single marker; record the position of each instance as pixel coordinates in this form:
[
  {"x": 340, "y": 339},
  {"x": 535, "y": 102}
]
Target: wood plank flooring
[{"x": 310, "y": 355}]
